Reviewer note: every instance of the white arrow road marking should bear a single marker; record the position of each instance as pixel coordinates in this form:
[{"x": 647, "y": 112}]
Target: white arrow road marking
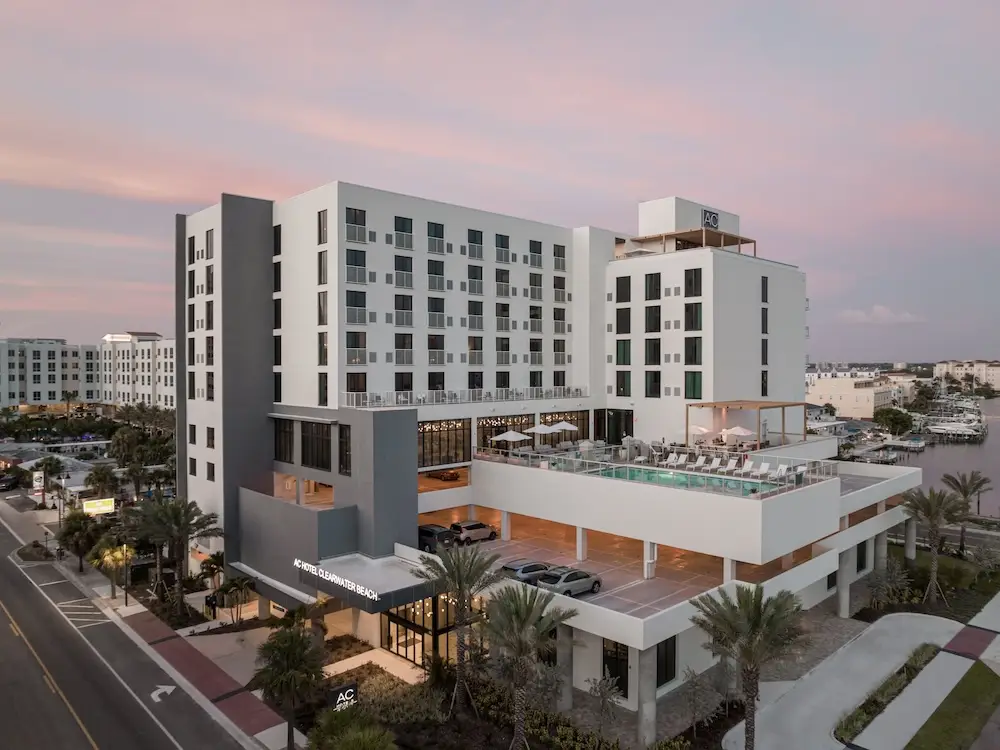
[{"x": 161, "y": 690}]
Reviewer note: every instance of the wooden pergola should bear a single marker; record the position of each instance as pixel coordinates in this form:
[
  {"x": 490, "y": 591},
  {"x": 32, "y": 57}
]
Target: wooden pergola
[
  {"x": 757, "y": 406},
  {"x": 704, "y": 237}
]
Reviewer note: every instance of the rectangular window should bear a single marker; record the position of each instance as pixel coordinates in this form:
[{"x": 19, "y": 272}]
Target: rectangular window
[
  {"x": 191, "y": 388},
  {"x": 652, "y": 286},
  {"x": 356, "y": 216},
  {"x": 357, "y": 382},
  {"x": 276, "y": 277},
  {"x": 652, "y": 383},
  {"x": 623, "y": 352},
  {"x": 615, "y": 663},
  {"x": 276, "y": 241},
  {"x": 323, "y": 390},
  {"x": 276, "y": 377},
  {"x": 692, "y": 385},
  {"x": 210, "y": 386},
  {"x": 191, "y": 284},
  {"x": 652, "y": 352},
  {"x": 623, "y": 289},
  {"x": 692, "y": 350},
  {"x": 475, "y": 237},
  {"x": 209, "y": 437},
  {"x": 692, "y": 282},
  {"x": 210, "y": 279},
  {"x": 763, "y": 352},
  {"x": 210, "y": 244},
  {"x": 191, "y": 252},
  {"x": 190, "y": 318},
  {"x": 692, "y": 316},
  {"x": 323, "y": 348},
  {"x": 763, "y": 383},
  {"x": 831, "y": 581},
  {"x": 191, "y": 357},
  {"x": 317, "y": 452},
  {"x": 344, "y": 450},
  {"x": 666, "y": 661},
  {"x": 623, "y": 320},
  {"x": 322, "y": 317},
  {"x": 209, "y": 315},
  {"x": 435, "y": 381},
  {"x": 276, "y": 356},
  {"x": 763, "y": 289},
  {"x": 321, "y": 268},
  {"x": 623, "y": 383},
  {"x": 403, "y": 382},
  {"x": 210, "y": 471},
  {"x": 192, "y": 467},
  {"x": 862, "y": 556},
  {"x": 652, "y": 318},
  {"x": 192, "y": 435},
  {"x": 277, "y": 314},
  {"x": 559, "y": 379},
  {"x": 763, "y": 320},
  {"x": 321, "y": 227}
]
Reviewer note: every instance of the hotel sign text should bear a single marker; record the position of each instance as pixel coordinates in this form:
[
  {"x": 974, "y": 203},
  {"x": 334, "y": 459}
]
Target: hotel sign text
[{"x": 333, "y": 578}]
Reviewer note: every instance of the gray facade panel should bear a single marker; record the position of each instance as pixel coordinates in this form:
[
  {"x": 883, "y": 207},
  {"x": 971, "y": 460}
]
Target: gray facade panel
[
  {"x": 394, "y": 470},
  {"x": 180, "y": 350},
  {"x": 337, "y": 532}
]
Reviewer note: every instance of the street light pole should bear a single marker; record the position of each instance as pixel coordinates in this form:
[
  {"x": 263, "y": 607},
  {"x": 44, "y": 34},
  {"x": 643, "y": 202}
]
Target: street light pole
[{"x": 126, "y": 566}]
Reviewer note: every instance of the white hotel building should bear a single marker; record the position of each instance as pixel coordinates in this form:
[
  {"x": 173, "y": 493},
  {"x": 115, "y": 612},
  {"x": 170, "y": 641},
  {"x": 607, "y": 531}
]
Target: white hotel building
[
  {"x": 137, "y": 367},
  {"x": 345, "y": 358}
]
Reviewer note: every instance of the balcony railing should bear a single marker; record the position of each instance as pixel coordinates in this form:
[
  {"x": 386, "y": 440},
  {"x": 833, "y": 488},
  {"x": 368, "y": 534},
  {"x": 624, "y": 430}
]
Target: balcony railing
[
  {"x": 535, "y": 326},
  {"x": 475, "y": 358},
  {"x": 435, "y": 245},
  {"x": 503, "y": 290},
  {"x": 357, "y": 316},
  {"x": 535, "y": 260},
  {"x": 503, "y": 324},
  {"x": 475, "y": 286},
  {"x": 475, "y": 322},
  {"x": 475, "y": 252},
  {"x": 559, "y": 264},
  {"x": 435, "y": 283},
  {"x": 357, "y": 356},
  {"x": 404, "y": 280},
  {"x": 435, "y": 357},
  {"x": 356, "y": 233},
  {"x": 503, "y": 255},
  {"x": 403, "y": 356},
  {"x": 404, "y": 241},
  {"x": 559, "y": 358},
  {"x": 404, "y": 318},
  {"x": 559, "y": 326},
  {"x": 535, "y": 358},
  {"x": 503, "y": 358},
  {"x": 419, "y": 398},
  {"x": 357, "y": 275},
  {"x": 435, "y": 320},
  {"x": 559, "y": 295},
  {"x": 534, "y": 292}
]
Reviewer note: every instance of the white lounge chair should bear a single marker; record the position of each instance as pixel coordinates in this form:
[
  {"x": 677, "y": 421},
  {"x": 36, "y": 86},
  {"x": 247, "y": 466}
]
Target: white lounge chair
[
  {"x": 730, "y": 467},
  {"x": 762, "y": 472},
  {"x": 779, "y": 473},
  {"x": 714, "y": 466},
  {"x": 670, "y": 460},
  {"x": 745, "y": 469},
  {"x": 678, "y": 460},
  {"x": 697, "y": 465}
]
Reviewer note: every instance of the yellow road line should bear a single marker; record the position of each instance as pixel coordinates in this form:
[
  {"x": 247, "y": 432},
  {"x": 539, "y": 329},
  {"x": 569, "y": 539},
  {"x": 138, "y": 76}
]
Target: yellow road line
[
  {"x": 50, "y": 680},
  {"x": 14, "y": 630}
]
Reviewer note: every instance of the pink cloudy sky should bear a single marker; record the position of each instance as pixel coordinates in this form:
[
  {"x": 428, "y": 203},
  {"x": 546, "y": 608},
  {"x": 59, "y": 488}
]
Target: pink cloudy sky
[{"x": 856, "y": 139}]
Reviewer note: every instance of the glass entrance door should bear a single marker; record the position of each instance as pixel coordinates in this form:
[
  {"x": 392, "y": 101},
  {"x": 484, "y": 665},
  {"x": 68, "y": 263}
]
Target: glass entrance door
[{"x": 403, "y": 639}]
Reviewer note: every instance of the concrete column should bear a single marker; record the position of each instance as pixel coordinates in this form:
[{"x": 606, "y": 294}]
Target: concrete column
[
  {"x": 649, "y": 557},
  {"x": 263, "y": 608},
  {"x": 787, "y": 562},
  {"x": 505, "y": 525},
  {"x": 845, "y": 523},
  {"x": 880, "y": 507},
  {"x": 299, "y": 482},
  {"x": 844, "y": 586},
  {"x": 564, "y": 665},
  {"x": 910, "y": 538},
  {"x": 881, "y": 550},
  {"x": 472, "y": 512},
  {"x": 581, "y": 543},
  {"x": 728, "y": 570},
  {"x": 647, "y": 696}
]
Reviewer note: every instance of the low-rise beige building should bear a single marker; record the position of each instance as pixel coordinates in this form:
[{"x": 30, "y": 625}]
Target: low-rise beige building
[
  {"x": 985, "y": 371},
  {"x": 853, "y": 398}
]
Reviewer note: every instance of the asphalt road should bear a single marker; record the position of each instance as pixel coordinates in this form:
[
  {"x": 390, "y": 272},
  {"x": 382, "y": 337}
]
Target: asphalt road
[{"x": 56, "y": 692}]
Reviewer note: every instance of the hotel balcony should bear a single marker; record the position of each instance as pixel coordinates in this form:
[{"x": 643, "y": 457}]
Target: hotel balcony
[{"x": 387, "y": 399}]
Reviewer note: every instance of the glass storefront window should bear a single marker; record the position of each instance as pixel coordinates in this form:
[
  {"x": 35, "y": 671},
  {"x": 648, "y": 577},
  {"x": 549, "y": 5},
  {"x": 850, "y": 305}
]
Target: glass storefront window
[
  {"x": 490, "y": 427},
  {"x": 444, "y": 442},
  {"x": 422, "y": 628},
  {"x": 616, "y": 663}
]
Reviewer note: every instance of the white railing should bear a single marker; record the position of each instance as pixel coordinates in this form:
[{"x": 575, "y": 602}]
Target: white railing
[
  {"x": 534, "y": 292},
  {"x": 475, "y": 357},
  {"x": 503, "y": 358},
  {"x": 475, "y": 252},
  {"x": 559, "y": 358},
  {"x": 357, "y": 356},
  {"x": 403, "y": 356},
  {"x": 559, "y": 264},
  {"x": 435, "y": 245},
  {"x": 435, "y": 357},
  {"x": 475, "y": 286},
  {"x": 559, "y": 326},
  {"x": 356, "y": 233},
  {"x": 559, "y": 295},
  {"x": 535, "y": 358},
  {"x": 404, "y": 241},
  {"x": 357, "y": 316},
  {"x": 503, "y": 290},
  {"x": 435, "y": 320},
  {"x": 404, "y": 318},
  {"x": 404, "y": 280},
  {"x": 503, "y": 255},
  {"x": 534, "y": 260},
  {"x": 419, "y": 398},
  {"x": 475, "y": 322},
  {"x": 357, "y": 275},
  {"x": 535, "y": 326},
  {"x": 435, "y": 283},
  {"x": 503, "y": 324}
]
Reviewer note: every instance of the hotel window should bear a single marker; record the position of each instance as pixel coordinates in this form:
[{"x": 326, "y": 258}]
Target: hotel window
[
  {"x": 435, "y": 381},
  {"x": 277, "y": 387},
  {"x": 209, "y": 244},
  {"x": 210, "y": 386},
  {"x": 559, "y": 379},
  {"x": 623, "y": 289},
  {"x": 444, "y": 442},
  {"x": 209, "y": 437},
  {"x": 559, "y": 257},
  {"x": 277, "y": 313},
  {"x": 534, "y": 253},
  {"x": 652, "y": 318},
  {"x": 615, "y": 663},
  {"x": 763, "y": 383},
  {"x": 623, "y": 352},
  {"x": 763, "y": 352},
  {"x": 356, "y": 220},
  {"x": 763, "y": 320},
  {"x": 209, "y": 279},
  {"x": 321, "y": 265},
  {"x": 276, "y": 242},
  {"x": 692, "y": 385},
  {"x": 831, "y": 580},
  {"x": 276, "y": 356},
  {"x": 763, "y": 289},
  {"x": 190, "y": 318},
  {"x": 623, "y": 383},
  {"x": 210, "y": 471},
  {"x": 191, "y": 389},
  {"x": 276, "y": 277},
  {"x": 323, "y": 347},
  {"x": 404, "y": 233},
  {"x": 323, "y": 390},
  {"x": 209, "y": 316},
  {"x": 652, "y": 383},
  {"x": 344, "y": 450},
  {"x": 692, "y": 316},
  {"x": 666, "y": 661},
  {"x": 535, "y": 379},
  {"x": 652, "y": 352},
  {"x": 403, "y": 382},
  {"x": 316, "y": 448},
  {"x": 191, "y": 284},
  {"x": 435, "y": 238},
  {"x": 321, "y": 227},
  {"x": 652, "y": 286},
  {"x": 475, "y": 381},
  {"x": 321, "y": 312},
  {"x": 475, "y": 244},
  {"x": 692, "y": 350},
  {"x": 192, "y": 467},
  {"x": 692, "y": 282},
  {"x": 357, "y": 382},
  {"x": 191, "y": 253},
  {"x": 192, "y": 434},
  {"x": 623, "y": 320},
  {"x": 503, "y": 380},
  {"x": 191, "y": 356},
  {"x": 862, "y": 556}
]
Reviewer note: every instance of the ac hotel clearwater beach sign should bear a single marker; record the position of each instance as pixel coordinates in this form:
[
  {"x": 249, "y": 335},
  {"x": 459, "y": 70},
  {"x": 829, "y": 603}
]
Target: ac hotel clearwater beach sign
[{"x": 333, "y": 578}]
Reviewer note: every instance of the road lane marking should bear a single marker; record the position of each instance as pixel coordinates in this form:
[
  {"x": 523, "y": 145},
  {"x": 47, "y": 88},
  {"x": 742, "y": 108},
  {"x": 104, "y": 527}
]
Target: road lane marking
[
  {"x": 13, "y": 628},
  {"x": 49, "y": 683},
  {"x": 92, "y": 624},
  {"x": 48, "y": 675},
  {"x": 52, "y": 583}
]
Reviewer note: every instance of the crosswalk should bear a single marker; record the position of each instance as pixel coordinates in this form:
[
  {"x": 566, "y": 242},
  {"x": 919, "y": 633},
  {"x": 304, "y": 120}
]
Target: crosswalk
[{"x": 82, "y": 613}]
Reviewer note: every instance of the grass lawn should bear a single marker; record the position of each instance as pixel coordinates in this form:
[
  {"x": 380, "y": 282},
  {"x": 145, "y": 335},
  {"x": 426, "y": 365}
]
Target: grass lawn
[{"x": 960, "y": 718}]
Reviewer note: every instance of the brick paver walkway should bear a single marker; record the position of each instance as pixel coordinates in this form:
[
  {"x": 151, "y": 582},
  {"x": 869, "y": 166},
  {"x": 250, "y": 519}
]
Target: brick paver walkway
[{"x": 970, "y": 642}]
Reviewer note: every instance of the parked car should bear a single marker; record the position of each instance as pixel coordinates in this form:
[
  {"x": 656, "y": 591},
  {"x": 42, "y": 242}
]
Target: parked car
[
  {"x": 434, "y": 538},
  {"x": 524, "y": 570},
  {"x": 8, "y": 483},
  {"x": 468, "y": 532},
  {"x": 569, "y": 581}
]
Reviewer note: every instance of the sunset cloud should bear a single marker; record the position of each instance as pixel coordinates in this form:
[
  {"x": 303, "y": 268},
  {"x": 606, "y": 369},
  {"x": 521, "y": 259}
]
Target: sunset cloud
[
  {"x": 79, "y": 237},
  {"x": 880, "y": 315}
]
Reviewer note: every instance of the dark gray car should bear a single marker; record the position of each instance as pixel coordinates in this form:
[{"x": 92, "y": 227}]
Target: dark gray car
[
  {"x": 434, "y": 538},
  {"x": 524, "y": 570},
  {"x": 569, "y": 581}
]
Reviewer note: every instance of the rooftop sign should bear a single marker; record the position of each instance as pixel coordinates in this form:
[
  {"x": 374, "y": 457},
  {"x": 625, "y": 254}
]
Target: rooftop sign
[{"x": 333, "y": 578}]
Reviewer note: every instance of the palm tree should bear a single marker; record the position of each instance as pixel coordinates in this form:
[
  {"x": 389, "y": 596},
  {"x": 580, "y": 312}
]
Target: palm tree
[
  {"x": 78, "y": 534},
  {"x": 102, "y": 479},
  {"x": 237, "y": 593},
  {"x": 111, "y": 557},
  {"x": 50, "y": 466},
  {"x": 136, "y": 474},
  {"x": 124, "y": 444},
  {"x": 966, "y": 486},
  {"x": 934, "y": 510},
  {"x": 68, "y": 398},
  {"x": 212, "y": 567},
  {"x": 464, "y": 573},
  {"x": 519, "y": 624},
  {"x": 749, "y": 632},
  {"x": 187, "y": 523},
  {"x": 151, "y": 523},
  {"x": 289, "y": 672}
]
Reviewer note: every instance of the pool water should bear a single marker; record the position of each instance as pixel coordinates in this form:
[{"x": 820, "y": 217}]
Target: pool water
[{"x": 686, "y": 480}]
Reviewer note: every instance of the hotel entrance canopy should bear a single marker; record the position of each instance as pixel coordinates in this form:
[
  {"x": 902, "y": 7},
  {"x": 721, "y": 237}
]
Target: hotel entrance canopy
[
  {"x": 373, "y": 584},
  {"x": 754, "y": 406}
]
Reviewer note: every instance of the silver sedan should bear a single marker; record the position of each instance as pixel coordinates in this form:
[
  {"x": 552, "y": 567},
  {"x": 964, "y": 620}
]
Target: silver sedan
[{"x": 569, "y": 581}]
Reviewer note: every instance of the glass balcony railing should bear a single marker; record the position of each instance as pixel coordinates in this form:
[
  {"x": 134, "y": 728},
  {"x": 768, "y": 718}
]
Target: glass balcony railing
[{"x": 372, "y": 400}]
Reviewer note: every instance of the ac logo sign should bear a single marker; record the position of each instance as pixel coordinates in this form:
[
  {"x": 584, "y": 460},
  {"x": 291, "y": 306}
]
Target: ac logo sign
[
  {"x": 709, "y": 219},
  {"x": 344, "y": 696}
]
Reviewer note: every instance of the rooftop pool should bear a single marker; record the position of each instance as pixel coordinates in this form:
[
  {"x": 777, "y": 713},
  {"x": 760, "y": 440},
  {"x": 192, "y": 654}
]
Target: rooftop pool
[{"x": 727, "y": 485}]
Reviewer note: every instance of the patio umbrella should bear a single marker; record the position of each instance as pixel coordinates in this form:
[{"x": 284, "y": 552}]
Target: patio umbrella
[
  {"x": 510, "y": 437},
  {"x": 565, "y": 427},
  {"x": 697, "y": 429},
  {"x": 542, "y": 429},
  {"x": 738, "y": 432}
]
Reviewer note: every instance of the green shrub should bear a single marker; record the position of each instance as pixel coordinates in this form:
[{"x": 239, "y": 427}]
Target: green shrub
[
  {"x": 387, "y": 700},
  {"x": 851, "y": 725},
  {"x": 884, "y": 694},
  {"x": 331, "y": 725},
  {"x": 921, "y": 656},
  {"x": 677, "y": 743}
]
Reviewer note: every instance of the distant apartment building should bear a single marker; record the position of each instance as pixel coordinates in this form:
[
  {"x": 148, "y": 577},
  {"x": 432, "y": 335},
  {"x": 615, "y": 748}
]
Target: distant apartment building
[
  {"x": 985, "y": 371},
  {"x": 37, "y": 372},
  {"x": 854, "y": 398},
  {"x": 137, "y": 367},
  {"x": 828, "y": 370}
]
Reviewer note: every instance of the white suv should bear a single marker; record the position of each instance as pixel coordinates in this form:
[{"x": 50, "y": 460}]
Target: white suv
[{"x": 467, "y": 532}]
